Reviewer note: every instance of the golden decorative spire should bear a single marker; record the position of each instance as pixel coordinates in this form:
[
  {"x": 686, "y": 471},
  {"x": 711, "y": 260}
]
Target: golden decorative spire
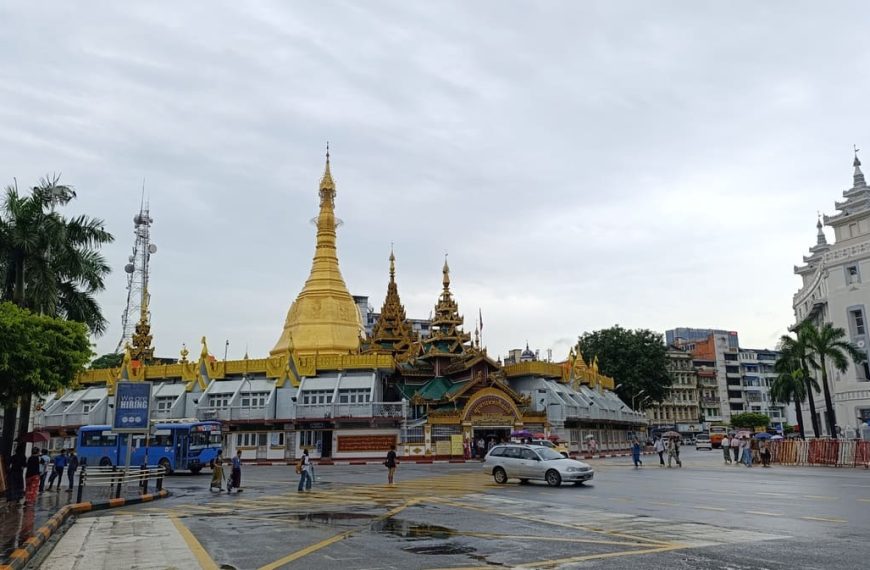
[
  {"x": 392, "y": 333},
  {"x": 142, "y": 349},
  {"x": 447, "y": 337},
  {"x": 324, "y": 318}
]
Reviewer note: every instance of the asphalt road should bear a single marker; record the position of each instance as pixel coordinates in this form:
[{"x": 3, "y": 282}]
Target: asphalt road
[{"x": 703, "y": 515}]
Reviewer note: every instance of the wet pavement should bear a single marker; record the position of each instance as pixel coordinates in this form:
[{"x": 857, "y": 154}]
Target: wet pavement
[{"x": 704, "y": 515}]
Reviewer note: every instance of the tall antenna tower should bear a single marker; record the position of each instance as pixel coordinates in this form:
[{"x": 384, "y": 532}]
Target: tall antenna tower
[{"x": 137, "y": 333}]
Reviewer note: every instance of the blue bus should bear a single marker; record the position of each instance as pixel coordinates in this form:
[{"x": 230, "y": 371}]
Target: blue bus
[{"x": 176, "y": 446}]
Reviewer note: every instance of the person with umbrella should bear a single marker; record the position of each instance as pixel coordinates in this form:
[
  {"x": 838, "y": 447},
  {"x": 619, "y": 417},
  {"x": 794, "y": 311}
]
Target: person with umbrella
[{"x": 763, "y": 448}]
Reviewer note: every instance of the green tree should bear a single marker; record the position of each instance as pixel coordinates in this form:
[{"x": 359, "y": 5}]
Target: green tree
[
  {"x": 828, "y": 344},
  {"x": 39, "y": 353},
  {"x": 789, "y": 387},
  {"x": 110, "y": 360},
  {"x": 50, "y": 265},
  {"x": 796, "y": 350},
  {"x": 749, "y": 420},
  {"x": 636, "y": 359}
]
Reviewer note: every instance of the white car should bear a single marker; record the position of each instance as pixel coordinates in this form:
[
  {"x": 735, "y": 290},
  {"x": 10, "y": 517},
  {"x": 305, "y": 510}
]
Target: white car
[
  {"x": 527, "y": 462},
  {"x": 702, "y": 441}
]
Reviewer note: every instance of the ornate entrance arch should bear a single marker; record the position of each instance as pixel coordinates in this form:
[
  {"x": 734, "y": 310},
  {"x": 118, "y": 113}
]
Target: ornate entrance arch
[{"x": 491, "y": 406}]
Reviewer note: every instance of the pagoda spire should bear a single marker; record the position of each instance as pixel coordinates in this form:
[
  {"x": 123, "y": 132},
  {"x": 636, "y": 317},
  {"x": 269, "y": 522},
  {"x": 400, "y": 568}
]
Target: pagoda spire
[
  {"x": 820, "y": 238},
  {"x": 141, "y": 349},
  {"x": 324, "y": 318},
  {"x": 858, "y": 177},
  {"x": 447, "y": 336},
  {"x": 392, "y": 333}
]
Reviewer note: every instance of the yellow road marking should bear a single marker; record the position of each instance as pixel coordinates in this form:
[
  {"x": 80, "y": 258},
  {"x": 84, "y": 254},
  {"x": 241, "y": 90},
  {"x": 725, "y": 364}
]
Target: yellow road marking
[
  {"x": 824, "y": 519},
  {"x": 543, "y": 538},
  {"x": 764, "y": 513},
  {"x": 332, "y": 539},
  {"x": 663, "y": 503},
  {"x": 772, "y": 494},
  {"x": 712, "y": 508},
  {"x": 865, "y": 500},
  {"x": 205, "y": 561},
  {"x": 561, "y": 561}
]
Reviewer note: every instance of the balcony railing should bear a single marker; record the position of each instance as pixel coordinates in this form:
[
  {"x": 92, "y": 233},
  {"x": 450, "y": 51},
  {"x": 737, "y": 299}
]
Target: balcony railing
[
  {"x": 64, "y": 419},
  {"x": 233, "y": 413}
]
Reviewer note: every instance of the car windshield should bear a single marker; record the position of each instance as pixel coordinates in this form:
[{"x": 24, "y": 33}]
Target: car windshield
[{"x": 548, "y": 454}]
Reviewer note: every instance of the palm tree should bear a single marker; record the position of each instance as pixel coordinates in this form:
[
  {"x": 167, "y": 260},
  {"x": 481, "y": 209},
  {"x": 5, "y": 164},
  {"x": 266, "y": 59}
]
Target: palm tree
[
  {"x": 50, "y": 265},
  {"x": 796, "y": 350},
  {"x": 827, "y": 344},
  {"x": 789, "y": 387}
]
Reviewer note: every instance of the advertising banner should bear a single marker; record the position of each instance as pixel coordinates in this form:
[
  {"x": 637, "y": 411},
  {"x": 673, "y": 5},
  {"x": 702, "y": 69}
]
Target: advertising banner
[{"x": 132, "y": 407}]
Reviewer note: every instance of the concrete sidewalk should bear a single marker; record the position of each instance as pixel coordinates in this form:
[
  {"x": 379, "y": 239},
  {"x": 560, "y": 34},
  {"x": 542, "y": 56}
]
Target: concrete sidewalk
[{"x": 135, "y": 542}]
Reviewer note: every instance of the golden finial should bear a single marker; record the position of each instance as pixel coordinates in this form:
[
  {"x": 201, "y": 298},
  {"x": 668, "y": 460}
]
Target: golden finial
[
  {"x": 392, "y": 265},
  {"x": 204, "y": 352},
  {"x": 446, "y": 272},
  {"x": 327, "y": 185},
  {"x": 184, "y": 352}
]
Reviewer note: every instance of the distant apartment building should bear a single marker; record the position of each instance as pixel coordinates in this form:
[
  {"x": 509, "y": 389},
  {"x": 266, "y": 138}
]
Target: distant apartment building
[
  {"x": 679, "y": 410},
  {"x": 730, "y": 380}
]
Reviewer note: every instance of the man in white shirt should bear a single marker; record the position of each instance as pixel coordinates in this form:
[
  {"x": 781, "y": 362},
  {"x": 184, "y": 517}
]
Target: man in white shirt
[
  {"x": 659, "y": 446},
  {"x": 726, "y": 451}
]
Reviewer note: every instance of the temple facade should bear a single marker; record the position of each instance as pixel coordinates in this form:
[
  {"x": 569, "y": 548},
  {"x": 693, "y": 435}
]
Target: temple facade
[{"x": 328, "y": 387}]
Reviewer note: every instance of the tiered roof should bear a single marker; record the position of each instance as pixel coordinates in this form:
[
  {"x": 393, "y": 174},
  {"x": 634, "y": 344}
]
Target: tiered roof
[
  {"x": 392, "y": 333},
  {"x": 446, "y": 337}
]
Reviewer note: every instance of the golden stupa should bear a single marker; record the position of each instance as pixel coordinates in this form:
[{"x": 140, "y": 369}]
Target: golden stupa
[{"x": 323, "y": 319}]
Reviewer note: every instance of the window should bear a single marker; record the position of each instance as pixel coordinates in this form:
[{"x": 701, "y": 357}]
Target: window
[
  {"x": 164, "y": 403},
  {"x": 354, "y": 396},
  {"x": 250, "y": 439},
  {"x": 858, "y": 321},
  {"x": 220, "y": 401},
  {"x": 852, "y": 275},
  {"x": 310, "y": 438},
  {"x": 312, "y": 397},
  {"x": 254, "y": 399},
  {"x": 853, "y": 230},
  {"x": 88, "y": 405}
]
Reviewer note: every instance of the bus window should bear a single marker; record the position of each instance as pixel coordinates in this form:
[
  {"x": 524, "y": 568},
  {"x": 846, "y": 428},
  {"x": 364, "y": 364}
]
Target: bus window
[
  {"x": 162, "y": 439},
  {"x": 91, "y": 439}
]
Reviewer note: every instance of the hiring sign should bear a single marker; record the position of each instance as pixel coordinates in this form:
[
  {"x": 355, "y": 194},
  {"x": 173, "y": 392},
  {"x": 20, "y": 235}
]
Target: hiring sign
[{"x": 132, "y": 407}]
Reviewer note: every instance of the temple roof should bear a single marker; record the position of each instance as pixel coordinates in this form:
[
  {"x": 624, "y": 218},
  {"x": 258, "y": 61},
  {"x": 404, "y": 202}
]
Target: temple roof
[
  {"x": 392, "y": 333},
  {"x": 324, "y": 318},
  {"x": 446, "y": 337}
]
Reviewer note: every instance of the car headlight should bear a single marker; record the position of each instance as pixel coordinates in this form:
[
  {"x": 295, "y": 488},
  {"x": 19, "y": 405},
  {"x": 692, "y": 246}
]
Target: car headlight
[{"x": 576, "y": 469}]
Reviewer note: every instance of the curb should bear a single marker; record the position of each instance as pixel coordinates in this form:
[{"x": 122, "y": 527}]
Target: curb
[{"x": 22, "y": 555}]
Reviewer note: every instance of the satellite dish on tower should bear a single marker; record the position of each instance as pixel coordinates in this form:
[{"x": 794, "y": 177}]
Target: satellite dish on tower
[
  {"x": 128, "y": 268},
  {"x": 152, "y": 248}
]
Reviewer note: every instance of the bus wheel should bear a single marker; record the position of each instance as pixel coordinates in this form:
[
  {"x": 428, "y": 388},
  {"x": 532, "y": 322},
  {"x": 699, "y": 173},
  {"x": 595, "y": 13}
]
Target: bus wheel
[
  {"x": 166, "y": 467},
  {"x": 195, "y": 470},
  {"x": 105, "y": 462}
]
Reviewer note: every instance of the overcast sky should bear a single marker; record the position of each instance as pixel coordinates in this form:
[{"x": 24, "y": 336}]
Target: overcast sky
[{"x": 651, "y": 164}]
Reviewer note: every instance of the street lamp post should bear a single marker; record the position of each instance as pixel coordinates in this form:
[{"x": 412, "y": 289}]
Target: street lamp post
[{"x": 634, "y": 398}]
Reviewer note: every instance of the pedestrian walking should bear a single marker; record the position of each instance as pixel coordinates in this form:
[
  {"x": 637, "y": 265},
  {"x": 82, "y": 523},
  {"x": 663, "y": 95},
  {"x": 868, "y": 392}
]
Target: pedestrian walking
[
  {"x": 673, "y": 447},
  {"x": 236, "y": 478},
  {"x": 764, "y": 452},
  {"x": 44, "y": 462},
  {"x": 659, "y": 447},
  {"x": 304, "y": 470},
  {"x": 217, "y": 475},
  {"x": 593, "y": 446},
  {"x": 735, "y": 449},
  {"x": 481, "y": 448},
  {"x": 31, "y": 476},
  {"x": 635, "y": 452},
  {"x": 57, "y": 472},
  {"x": 15, "y": 489},
  {"x": 726, "y": 449},
  {"x": 72, "y": 466},
  {"x": 745, "y": 452},
  {"x": 390, "y": 464}
]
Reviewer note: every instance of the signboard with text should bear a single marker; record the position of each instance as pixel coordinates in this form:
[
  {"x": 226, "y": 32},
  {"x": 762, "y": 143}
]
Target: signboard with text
[{"x": 132, "y": 407}]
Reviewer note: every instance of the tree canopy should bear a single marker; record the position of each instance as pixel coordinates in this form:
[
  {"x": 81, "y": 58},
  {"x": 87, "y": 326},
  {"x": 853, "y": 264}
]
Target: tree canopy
[
  {"x": 110, "y": 360},
  {"x": 636, "y": 359},
  {"x": 38, "y": 354},
  {"x": 750, "y": 420}
]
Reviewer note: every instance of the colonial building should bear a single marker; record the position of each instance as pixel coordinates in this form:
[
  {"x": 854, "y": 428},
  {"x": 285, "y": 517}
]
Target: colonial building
[
  {"x": 679, "y": 410},
  {"x": 834, "y": 289},
  {"x": 330, "y": 387}
]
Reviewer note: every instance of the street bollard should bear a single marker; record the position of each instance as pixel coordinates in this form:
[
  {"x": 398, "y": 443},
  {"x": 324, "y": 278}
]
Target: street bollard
[
  {"x": 81, "y": 483},
  {"x": 143, "y": 479},
  {"x": 118, "y": 477}
]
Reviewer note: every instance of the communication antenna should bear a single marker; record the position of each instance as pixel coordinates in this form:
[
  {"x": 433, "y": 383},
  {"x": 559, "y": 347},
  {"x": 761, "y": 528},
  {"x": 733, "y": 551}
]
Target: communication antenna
[{"x": 137, "y": 270}]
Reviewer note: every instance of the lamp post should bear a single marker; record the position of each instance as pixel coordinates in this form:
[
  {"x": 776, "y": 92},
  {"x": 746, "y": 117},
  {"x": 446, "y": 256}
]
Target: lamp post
[{"x": 633, "y": 398}]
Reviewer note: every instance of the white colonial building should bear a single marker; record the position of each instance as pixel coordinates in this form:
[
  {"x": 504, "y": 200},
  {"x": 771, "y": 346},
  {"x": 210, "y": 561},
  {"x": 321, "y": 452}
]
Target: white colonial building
[{"x": 835, "y": 289}]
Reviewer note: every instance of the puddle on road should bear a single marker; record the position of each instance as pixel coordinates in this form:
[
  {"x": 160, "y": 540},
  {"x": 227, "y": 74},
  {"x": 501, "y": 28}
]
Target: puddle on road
[
  {"x": 444, "y": 549},
  {"x": 412, "y": 531}
]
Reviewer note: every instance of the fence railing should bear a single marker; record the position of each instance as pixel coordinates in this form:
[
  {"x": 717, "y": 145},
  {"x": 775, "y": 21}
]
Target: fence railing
[
  {"x": 832, "y": 452},
  {"x": 111, "y": 480}
]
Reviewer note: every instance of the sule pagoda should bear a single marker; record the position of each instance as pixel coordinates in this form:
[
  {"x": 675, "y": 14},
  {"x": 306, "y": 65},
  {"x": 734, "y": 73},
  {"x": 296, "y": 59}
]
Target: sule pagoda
[{"x": 329, "y": 388}]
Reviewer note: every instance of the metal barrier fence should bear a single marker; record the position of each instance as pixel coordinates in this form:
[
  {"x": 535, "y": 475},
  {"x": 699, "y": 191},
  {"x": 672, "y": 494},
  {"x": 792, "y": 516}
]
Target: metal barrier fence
[
  {"x": 109, "y": 481},
  {"x": 832, "y": 452}
]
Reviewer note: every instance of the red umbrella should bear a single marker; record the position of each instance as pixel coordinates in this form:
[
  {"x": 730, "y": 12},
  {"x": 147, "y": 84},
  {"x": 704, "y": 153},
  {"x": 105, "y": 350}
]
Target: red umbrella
[
  {"x": 36, "y": 437},
  {"x": 538, "y": 435}
]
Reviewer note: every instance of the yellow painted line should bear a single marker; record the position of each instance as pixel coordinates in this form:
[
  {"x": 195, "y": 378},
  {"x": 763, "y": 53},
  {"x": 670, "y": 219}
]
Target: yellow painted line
[
  {"x": 865, "y": 500},
  {"x": 711, "y": 508},
  {"x": 772, "y": 494},
  {"x": 331, "y": 540},
  {"x": 824, "y": 519},
  {"x": 542, "y": 538},
  {"x": 205, "y": 561},
  {"x": 663, "y": 503},
  {"x": 763, "y": 513}
]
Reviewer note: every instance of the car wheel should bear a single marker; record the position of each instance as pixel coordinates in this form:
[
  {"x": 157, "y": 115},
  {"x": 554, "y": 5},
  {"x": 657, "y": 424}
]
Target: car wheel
[
  {"x": 553, "y": 478},
  {"x": 524, "y": 481},
  {"x": 500, "y": 476},
  {"x": 105, "y": 462}
]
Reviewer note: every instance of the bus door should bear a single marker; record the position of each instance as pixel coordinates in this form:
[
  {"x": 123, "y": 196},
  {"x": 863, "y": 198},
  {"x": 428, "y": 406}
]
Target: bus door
[{"x": 182, "y": 446}]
